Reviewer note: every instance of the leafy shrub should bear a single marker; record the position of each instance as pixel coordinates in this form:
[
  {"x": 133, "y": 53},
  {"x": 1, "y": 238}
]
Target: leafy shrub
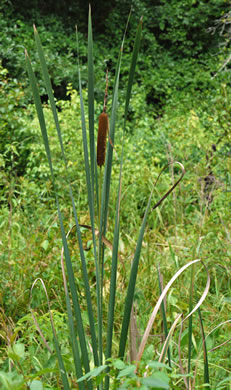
[{"x": 15, "y": 135}]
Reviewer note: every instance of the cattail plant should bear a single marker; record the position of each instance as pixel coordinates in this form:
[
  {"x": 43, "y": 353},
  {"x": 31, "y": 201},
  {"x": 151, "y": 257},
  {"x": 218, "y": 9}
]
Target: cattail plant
[{"x": 95, "y": 335}]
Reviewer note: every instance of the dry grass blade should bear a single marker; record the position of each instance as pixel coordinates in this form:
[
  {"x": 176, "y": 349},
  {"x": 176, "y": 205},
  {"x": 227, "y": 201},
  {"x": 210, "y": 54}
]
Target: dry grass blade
[
  {"x": 106, "y": 242},
  {"x": 167, "y": 341},
  {"x": 213, "y": 330},
  {"x": 134, "y": 336},
  {"x": 161, "y": 298},
  {"x": 34, "y": 319},
  {"x": 206, "y": 290},
  {"x": 135, "y": 265},
  {"x": 213, "y": 349},
  {"x": 173, "y": 186},
  {"x": 179, "y": 355},
  {"x": 163, "y": 309},
  {"x": 6, "y": 328},
  {"x": 220, "y": 345},
  {"x": 48, "y": 302}
]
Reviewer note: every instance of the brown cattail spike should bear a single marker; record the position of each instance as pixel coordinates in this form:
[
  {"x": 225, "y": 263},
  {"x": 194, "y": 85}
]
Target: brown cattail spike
[{"x": 102, "y": 136}]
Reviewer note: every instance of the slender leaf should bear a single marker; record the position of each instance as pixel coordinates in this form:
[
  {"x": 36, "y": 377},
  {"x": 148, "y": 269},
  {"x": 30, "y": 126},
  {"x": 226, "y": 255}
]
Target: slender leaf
[
  {"x": 92, "y": 212},
  {"x": 66, "y": 250},
  {"x": 40, "y": 114},
  {"x": 158, "y": 365},
  {"x": 93, "y": 373},
  {"x": 213, "y": 330},
  {"x": 206, "y": 364},
  {"x": 108, "y": 165},
  {"x": 91, "y": 99},
  {"x": 154, "y": 383},
  {"x": 168, "y": 339},
  {"x": 111, "y": 305},
  {"x": 131, "y": 285},
  {"x": 135, "y": 263},
  {"x": 116, "y": 230},
  {"x": 190, "y": 322},
  {"x": 164, "y": 292},
  {"x": 72, "y": 333},
  {"x": 57, "y": 348},
  {"x": 164, "y": 315},
  {"x": 49, "y": 88}
]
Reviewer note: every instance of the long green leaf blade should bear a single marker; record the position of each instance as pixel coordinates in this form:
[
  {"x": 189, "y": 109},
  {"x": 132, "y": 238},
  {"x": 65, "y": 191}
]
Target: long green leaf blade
[
  {"x": 131, "y": 284},
  {"x": 84, "y": 270},
  {"x": 134, "y": 269},
  {"x": 91, "y": 209},
  {"x": 48, "y": 87},
  {"x": 108, "y": 165},
  {"x": 66, "y": 250},
  {"x": 113, "y": 273},
  {"x": 91, "y": 99},
  {"x": 116, "y": 230},
  {"x": 39, "y": 109},
  {"x": 72, "y": 332}
]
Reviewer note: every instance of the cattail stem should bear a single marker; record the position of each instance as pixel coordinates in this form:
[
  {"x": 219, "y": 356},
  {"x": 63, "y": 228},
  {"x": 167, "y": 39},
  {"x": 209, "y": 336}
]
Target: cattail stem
[
  {"x": 100, "y": 196},
  {"x": 100, "y": 319}
]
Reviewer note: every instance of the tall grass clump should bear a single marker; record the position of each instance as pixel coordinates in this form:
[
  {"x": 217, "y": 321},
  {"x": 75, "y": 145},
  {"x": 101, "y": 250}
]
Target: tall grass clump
[{"x": 99, "y": 353}]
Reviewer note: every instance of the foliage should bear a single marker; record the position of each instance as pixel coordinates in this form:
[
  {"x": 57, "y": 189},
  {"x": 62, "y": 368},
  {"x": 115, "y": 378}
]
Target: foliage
[
  {"x": 179, "y": 26},
  {"x": 177, "y": 32},
  {"x": 15, "y": 137},
  {"x": 183, "y": 117},
  {"x": 17, "y": 35},
  {"x": 68, "y": 13},
  {"x": 183, "y": 25},
  {"x": 146, "y": 137}
]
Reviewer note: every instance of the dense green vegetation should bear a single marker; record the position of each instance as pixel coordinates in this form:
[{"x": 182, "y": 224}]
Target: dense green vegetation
[{"x": 179, "y": 111}]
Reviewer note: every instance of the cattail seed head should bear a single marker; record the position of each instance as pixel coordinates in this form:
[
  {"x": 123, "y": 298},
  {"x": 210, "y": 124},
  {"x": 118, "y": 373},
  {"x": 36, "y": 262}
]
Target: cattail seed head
[{"x": 102, "y": 136}]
